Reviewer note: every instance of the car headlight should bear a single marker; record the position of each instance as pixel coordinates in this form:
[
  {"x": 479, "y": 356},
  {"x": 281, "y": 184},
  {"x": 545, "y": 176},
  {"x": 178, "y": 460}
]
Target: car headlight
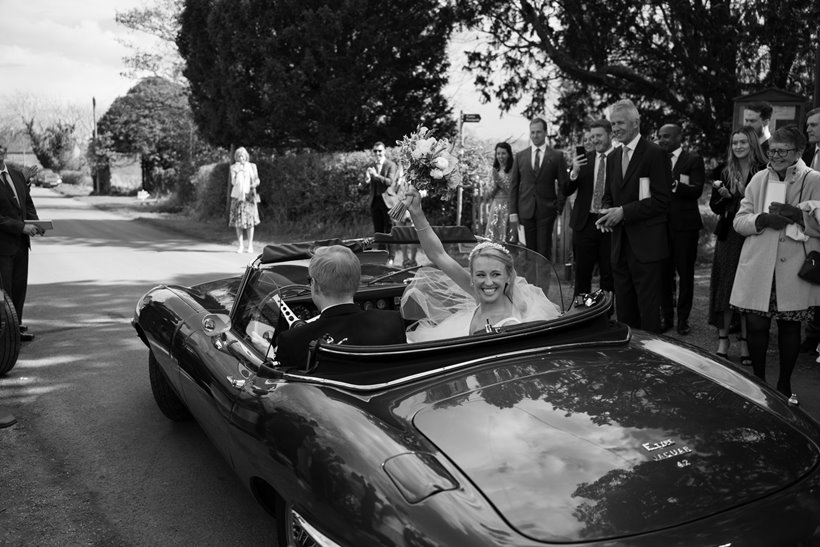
[{"x": 305, "y": 535}]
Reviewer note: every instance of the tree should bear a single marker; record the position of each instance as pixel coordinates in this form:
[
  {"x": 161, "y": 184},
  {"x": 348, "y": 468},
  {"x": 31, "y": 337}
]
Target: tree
[
  {"x": 153, "y": 120},
  {"x": 161, "y": 58},
  {"x": 679, "y": 60},
  {"x": 318, "y": 74},
  {"x": 56, "y": 146}
]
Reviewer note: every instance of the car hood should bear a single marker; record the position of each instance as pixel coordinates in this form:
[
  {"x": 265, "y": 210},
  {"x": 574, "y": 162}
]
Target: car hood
[{"x": 598, "y": 449}]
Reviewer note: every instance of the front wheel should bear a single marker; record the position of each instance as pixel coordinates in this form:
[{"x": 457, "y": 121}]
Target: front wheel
[
  {"x": 9, "y": 334},
  {"x": 293, "y": 531},
  {"x": 165, "y": 396}
]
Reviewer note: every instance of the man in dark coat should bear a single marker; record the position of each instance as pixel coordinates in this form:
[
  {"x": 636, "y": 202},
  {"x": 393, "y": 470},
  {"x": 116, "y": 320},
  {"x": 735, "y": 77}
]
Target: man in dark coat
[
  {"x": 812, "y": 158},
  {"x": 688, "y": 176},
  {"x": 636, "y": 200},
  {"x": 590, "y": 246},
  {"x": 536, "y": 199},
  {"x": 335, "y": 273},
  {"x": 16, "y": 207}
]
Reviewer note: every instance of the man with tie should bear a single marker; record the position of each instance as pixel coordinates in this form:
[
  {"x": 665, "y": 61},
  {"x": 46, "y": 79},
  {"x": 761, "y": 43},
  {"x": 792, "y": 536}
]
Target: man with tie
[
  {"x": 688, "y": 176},
  {"x": 381, "y": 178},
  {"x": 590, "y": 246},
  {"x": 538, "y": 175},
  {"x": 15, "y": 208},
  {"x": 758, "y": 115},
  {"x": 636, "y": 199},
  {"x": 812, "y": 158}
]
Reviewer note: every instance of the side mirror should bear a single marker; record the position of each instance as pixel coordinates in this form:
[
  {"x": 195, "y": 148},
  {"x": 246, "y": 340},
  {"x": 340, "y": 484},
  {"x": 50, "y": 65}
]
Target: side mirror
[{"x": 215, "y": 324}]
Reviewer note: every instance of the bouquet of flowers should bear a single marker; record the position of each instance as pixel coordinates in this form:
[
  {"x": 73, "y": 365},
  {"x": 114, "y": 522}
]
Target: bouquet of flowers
[{"x": 429, "y": 166}]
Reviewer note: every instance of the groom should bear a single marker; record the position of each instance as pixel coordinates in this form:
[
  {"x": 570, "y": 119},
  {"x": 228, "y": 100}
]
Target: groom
[{"x": 538, "y": 175}]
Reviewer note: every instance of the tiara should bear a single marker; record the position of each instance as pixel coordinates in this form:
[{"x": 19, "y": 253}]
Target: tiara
[{"x": 488, "y": 245}]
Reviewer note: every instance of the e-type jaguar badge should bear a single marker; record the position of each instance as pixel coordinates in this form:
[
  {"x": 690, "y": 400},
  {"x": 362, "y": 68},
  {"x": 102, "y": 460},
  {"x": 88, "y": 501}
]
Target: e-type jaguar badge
[{"x": 652, "y": 448}]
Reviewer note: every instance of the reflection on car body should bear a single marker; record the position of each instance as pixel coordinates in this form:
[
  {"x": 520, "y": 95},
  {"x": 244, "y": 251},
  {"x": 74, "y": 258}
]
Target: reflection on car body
[{"x": 573, "y": 430}]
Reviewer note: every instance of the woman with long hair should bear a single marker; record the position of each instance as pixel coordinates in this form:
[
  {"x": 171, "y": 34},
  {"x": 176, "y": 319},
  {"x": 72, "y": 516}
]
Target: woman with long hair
[
  {"x": 497, "y": 220},
  {"x": 744, "y": 158},
  {"x": 778, "y": 236}
]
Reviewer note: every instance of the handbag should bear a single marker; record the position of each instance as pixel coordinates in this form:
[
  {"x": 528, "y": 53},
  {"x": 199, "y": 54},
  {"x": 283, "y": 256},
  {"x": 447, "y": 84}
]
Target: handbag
[{"x": 810, "y": 270}]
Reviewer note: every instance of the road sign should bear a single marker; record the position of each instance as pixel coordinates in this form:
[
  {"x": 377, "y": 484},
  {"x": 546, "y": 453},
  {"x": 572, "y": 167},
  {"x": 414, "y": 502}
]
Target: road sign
[{"x": 470, "y": 118}]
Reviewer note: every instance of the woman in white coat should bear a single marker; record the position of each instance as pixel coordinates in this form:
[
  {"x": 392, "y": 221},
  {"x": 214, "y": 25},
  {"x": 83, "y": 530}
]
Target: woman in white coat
[
  {"x": 766, "y": 284},
  {"x": 244, "y": 214}
]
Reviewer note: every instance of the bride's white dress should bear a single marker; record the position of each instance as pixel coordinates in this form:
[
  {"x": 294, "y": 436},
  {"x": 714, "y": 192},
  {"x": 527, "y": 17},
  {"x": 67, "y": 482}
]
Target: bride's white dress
[{"x": 443, "y": 310}]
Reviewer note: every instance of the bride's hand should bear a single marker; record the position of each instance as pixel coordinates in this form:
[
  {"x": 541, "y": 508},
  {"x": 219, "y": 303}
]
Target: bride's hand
[{"x": 412, "y": 199}]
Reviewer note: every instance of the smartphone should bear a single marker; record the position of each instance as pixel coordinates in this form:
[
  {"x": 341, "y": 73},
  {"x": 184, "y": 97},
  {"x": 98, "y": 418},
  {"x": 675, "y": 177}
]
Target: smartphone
[{"x": 580, "y": 150}]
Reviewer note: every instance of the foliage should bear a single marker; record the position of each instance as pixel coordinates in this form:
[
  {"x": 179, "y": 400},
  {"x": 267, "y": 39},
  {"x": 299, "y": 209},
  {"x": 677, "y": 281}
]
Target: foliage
[
  {"x": 473, "y": 164},
  {"x": 55, "y": 145},
  {"x": 678, "y": 60},
  {"x": 153, "y": 120},
  {"x": 315, "y": 74},
  {"x": 160, "y": 21}
]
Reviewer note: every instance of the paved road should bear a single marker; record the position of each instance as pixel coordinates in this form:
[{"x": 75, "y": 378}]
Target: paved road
[{"x": 92, "y": 461}]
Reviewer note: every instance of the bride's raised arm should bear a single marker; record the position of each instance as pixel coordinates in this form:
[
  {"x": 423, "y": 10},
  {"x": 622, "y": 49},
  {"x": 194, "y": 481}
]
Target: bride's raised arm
[{"x": 432, "y": 245}]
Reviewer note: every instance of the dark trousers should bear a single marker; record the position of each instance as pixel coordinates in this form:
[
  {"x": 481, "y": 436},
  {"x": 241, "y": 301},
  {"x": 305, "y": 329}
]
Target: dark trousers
[
  {"x": 637, "y": 290},
  {"x": 382, "y": 223},
  {"x": 14, "y": 278},
  {"x": 683, "y": 246},
  {"x": 590, "y": 246},
  {"x": 788, "y": 345},
  {"x": 538, "y": 232}
]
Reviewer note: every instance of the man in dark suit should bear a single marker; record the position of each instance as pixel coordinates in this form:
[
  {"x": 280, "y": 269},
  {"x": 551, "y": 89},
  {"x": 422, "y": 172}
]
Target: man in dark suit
[
  {"x": 812, "y": 158},
  {"x": 335, "y": 273},
  {"x": 636, "y": 200},
  {"x": 536, "y": 199},
  {"x": 590, "y": 246},
  {"x": 381, "y": 178},
  {"x": 758, "y": 115},
  {"x": 688, "y": 177},
  {"x": 16, "y": 207}
]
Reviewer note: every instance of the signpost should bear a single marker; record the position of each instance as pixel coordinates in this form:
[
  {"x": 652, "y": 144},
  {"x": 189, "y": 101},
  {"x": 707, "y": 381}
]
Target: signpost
[{"x": 462, "y": 119}]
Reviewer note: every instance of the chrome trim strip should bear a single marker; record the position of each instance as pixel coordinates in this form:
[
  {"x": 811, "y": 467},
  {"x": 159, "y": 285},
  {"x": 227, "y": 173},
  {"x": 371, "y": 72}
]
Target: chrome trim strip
[{"x": 448, "y": 368}]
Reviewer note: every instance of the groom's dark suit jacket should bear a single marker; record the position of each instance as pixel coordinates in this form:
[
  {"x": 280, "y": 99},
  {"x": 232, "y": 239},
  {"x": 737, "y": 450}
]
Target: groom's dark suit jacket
[{"x": 342, "y": 324}]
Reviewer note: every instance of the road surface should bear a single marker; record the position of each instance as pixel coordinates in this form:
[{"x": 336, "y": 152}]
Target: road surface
[{"x": 92, "y": 461}]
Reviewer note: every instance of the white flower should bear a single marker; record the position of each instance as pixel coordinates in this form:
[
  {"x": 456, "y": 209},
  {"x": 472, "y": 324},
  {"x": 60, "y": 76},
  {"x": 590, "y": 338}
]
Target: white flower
[
  {"x": 423, "y": 147},
  {"x": 441, "y": 163},
  {"x": 436, "y": 173}
]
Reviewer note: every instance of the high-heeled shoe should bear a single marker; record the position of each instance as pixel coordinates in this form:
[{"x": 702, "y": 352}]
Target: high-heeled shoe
[
  {"x": 725, "y": 354},
  {"x": 746, "y": 359}
]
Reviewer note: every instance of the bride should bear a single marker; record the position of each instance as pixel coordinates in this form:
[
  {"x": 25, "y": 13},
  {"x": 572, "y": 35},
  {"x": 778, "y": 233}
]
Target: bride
[{"x": 457, "y": 302}]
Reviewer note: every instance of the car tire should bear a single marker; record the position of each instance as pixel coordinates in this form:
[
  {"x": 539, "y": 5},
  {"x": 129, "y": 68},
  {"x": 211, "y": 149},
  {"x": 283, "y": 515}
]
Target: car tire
[
  {"x": 9, "y": 334},
  {"x": 165, "y": 396}
]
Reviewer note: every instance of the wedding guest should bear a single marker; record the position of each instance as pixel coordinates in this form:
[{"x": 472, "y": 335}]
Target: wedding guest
[
  {"x": 16, "y": 207},
  {"x": 590, "y": 246},
  {"x": 381, "y": 178},
  {"x": 244, "y": 199},
  {"x": 744, "y": 159},
  {"x": 766, "y": 284},
  {"x": 538, "y": 174},
  {"x": 758, "y": 115},
  {"x": 588, "y": 142},
  {"x": 688, "y": 177},
  {"x": 636, "y": 199},
  {"x": 497, "y": 219},
  {"x": 812, "y": 158}
]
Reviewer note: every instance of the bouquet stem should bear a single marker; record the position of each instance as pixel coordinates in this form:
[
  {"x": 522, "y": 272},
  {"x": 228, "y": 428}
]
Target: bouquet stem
[{"x": 398, "y": 211}]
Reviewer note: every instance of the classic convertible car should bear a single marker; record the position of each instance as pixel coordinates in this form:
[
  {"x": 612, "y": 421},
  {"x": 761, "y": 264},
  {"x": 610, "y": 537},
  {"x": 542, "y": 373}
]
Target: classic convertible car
[{"x": 575, "y": 430}]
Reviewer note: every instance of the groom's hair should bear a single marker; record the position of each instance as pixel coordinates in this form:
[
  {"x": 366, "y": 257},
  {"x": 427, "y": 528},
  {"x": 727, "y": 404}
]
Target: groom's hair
[{"x": 336, "y": 270}]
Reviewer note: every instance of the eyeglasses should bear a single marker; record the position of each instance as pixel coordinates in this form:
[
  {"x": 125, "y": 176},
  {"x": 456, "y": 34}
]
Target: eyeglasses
[
  {"x": 378, "y": 151},
  {"x": 779, "y": 153}
]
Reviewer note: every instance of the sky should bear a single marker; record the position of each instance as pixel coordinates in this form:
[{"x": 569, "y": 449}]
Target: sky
[{"x": 64, "y": 52}]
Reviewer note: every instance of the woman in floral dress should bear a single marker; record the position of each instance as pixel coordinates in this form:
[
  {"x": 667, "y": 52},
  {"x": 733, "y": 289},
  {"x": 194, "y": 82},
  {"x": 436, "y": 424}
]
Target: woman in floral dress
[
  {"x": 244, "y": 197},
  {"x": 497, "y": 221}
]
